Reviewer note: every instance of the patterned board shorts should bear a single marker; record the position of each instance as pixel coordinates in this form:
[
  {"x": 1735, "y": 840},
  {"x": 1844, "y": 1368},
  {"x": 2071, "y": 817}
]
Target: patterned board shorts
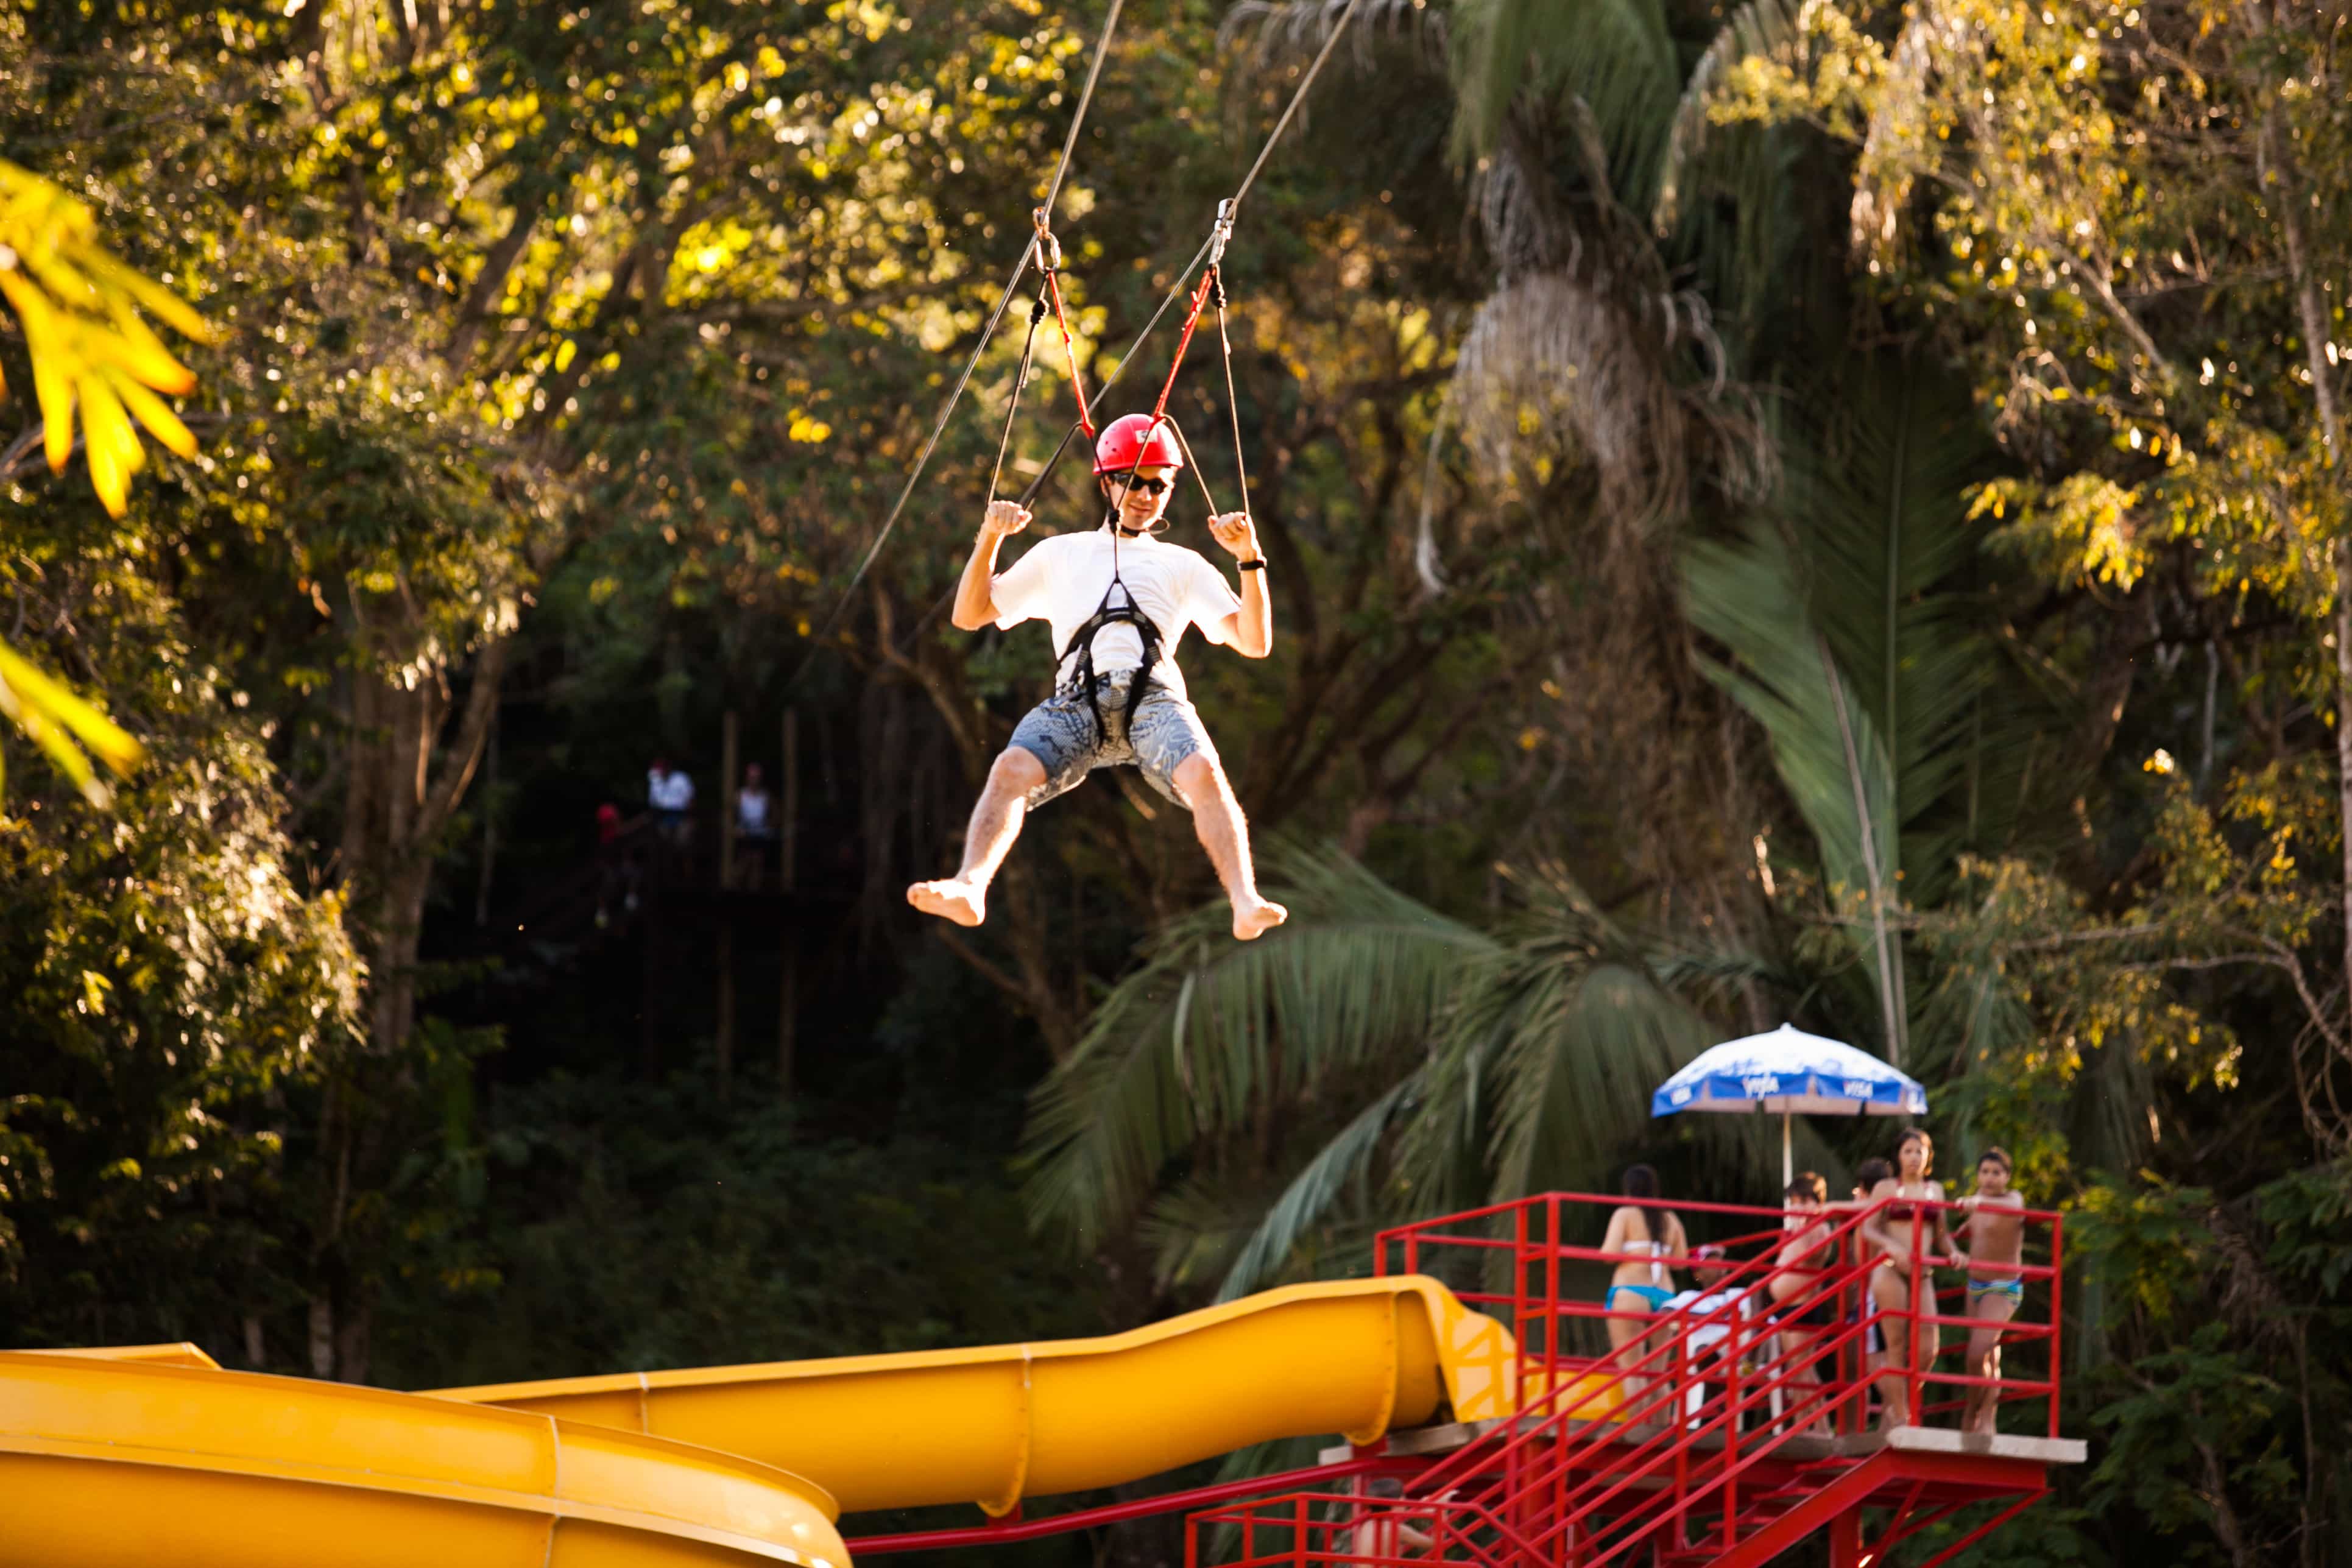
[{"x": 1060, "y": 733}]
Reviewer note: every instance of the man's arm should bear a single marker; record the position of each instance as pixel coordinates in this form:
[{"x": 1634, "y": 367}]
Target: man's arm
[
  {"x": 1248, "y": 631},
  {"x": 975, "y": 606}
]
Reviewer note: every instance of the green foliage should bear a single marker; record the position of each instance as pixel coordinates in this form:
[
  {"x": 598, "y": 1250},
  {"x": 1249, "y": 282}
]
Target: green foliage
[
  {"x": 1469, "y": 1067},
  {"x": 568, "y": 367},
  {"x": 2229, "y": 1321},
  {"x": 170, "y": 986},
  {"x": 1860, "y": 650},
  {"x": 624, "y": 1228}
]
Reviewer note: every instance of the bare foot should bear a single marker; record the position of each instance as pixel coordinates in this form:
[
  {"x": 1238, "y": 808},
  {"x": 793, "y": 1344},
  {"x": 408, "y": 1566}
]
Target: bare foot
[
  {"x": 1256, "y": 918},
  {"x": 952, "y": 901}
]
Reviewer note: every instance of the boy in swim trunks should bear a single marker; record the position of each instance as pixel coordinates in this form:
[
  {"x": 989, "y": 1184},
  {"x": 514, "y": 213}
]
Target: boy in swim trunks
[
  {"x": 1801, "y": 1308},
  {"x": 1118, "y": 601},
  {"x": 1995, "y": 1225}
]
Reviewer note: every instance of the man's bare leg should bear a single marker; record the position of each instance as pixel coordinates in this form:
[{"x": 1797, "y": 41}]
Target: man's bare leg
[
  {"x": 1217, "y": 819},
  {"x": 995, "y": 824}
]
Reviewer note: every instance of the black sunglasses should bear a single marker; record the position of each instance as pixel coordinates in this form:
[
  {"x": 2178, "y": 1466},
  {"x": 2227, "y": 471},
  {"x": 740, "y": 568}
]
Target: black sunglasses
[{"x": 1148, "y": 486}]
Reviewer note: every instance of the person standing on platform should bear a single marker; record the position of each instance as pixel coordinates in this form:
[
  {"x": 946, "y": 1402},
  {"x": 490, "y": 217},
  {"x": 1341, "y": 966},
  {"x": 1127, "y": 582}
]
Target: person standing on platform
[
  {"x": 755, "y": 824},
  {"x": 1802, "y": 1309},
  {"x": 1384, "y": 1533},
  {"x": 1995, "y": 1227},
  {"x": 671, "y": 795}
]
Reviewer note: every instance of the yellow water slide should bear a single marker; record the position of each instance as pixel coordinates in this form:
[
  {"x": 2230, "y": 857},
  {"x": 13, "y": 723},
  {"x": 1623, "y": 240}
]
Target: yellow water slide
[
  {"x": 155, "y": 1456},
  {"x": 996, "y": 1424},
  {"x": 152, "y": 1453}
]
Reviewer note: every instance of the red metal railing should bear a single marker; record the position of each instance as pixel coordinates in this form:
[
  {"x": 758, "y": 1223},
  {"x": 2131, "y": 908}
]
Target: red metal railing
[
  {"x": 1312, "y": 1529},
  {"x": 1679, "y": 1443},
  {"x": 1652, "y": 1441},
  {"x": 1513, "y": 1260}
]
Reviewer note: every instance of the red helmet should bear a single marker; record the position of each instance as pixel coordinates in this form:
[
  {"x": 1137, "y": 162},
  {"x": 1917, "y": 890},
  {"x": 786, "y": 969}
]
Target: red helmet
[{"x": 1121, "y": 448}]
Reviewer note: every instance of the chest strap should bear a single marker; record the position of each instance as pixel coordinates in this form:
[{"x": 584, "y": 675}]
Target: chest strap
[{"x": 1081, "y": 645}]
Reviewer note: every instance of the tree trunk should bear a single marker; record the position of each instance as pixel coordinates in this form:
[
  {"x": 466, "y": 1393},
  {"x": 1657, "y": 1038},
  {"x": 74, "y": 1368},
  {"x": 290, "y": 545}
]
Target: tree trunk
[
  {"x": 2282, "y": 175},
  {"x": 409, "y": 767},
  {"x": 398, "y": 801}
]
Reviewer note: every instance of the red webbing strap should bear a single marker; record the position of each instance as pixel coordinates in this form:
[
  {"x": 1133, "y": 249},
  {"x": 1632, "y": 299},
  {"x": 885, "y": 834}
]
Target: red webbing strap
[
  {"x": 1049, "y": 262},
  {"x": 1192, "y": 320},
  {"x": 1070, "y": 352}
]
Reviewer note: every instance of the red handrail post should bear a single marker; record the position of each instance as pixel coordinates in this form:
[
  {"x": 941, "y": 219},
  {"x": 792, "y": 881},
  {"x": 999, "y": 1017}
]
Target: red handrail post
[
  {"x": 1551, "y": 1291},
  {"x": 1845, "y": 1540},
  {"x": 2056, "y": 1340},
  {"x": 1731, "y": 1396},
  {"x": 1914, "y": 1386}
]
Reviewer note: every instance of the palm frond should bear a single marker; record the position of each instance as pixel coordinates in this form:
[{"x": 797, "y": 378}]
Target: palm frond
[
  {"x": 1553, "y": 364},
  {"x": 1775, "y": 29},
  {"x": 1859, "y": 646},
  {"x": 1825, "y": 744},
  {"x": 1585, "y": 1049},
  {"x": 1283, "y": 33},
  {"x": 1207, "y": 1028},
  {"x": 1878, "y": 506},
  {"x": 1195, "y": 1228},
  {"x": 1616, "y": 57},
  {"x": 1344, "y": 1161},
  {"x": 1899, "y": 139}
]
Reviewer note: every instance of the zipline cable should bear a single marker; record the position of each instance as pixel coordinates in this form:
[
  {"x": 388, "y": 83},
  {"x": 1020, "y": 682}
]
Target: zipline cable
[
  {"x": 1233, "y": 399},
  {"x": 1213, "y": 245},
  {"x": 1020, "y": 379},
  {"x": 1012, "y": 286},
  {"x": 1275, "y": 136}
]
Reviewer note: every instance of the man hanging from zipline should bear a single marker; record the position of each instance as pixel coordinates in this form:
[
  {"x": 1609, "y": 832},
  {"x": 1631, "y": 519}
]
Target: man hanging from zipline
[{"x": 1119, "y": 601}]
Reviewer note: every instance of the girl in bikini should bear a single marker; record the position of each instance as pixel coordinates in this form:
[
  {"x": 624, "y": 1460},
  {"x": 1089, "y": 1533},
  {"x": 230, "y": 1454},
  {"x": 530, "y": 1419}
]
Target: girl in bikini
[
  {"x": 1890, "y": 1283},
  {"x": 1647, "y": 1236}
]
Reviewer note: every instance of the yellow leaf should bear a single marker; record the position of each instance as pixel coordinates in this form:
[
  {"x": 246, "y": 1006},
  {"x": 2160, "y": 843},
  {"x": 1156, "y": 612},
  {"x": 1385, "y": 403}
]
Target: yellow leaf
[
  {"x": 139, "y": 351},
  {"x": 155, "y": 296},
  {"x": 56, "y": 395},
  {"x": 92, "y": 728},
  {"x": 112, "y": 444},
  {"x": 153, "y": 412}
]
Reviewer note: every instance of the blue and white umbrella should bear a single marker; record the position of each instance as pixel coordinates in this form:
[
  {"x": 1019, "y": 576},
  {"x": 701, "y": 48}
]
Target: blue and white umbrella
[{"x": 1790, "y": 1071}]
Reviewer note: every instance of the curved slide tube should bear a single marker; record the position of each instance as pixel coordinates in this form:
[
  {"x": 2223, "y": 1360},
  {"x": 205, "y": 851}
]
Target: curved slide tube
[
  {"x": 995, "y": 1425},
  {"x": 152, "y": 1455}
]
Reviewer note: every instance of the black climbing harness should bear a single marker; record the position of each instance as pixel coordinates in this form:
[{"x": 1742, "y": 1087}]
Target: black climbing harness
[{"x": 1084, "y": 680}]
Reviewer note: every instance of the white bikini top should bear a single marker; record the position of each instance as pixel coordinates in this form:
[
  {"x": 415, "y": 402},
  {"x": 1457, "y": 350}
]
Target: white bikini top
[{"x": 1657, "y": 1249}]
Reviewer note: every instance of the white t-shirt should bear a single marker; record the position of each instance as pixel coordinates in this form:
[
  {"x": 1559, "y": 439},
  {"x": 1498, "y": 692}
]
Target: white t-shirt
[
  {"x": 672, "y": 791},
  {"x": 1062, "y": 581}
]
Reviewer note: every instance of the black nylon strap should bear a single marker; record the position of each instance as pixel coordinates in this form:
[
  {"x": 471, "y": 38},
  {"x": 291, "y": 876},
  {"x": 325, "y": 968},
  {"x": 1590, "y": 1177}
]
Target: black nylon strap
[{"x": 1013, "y": 404}]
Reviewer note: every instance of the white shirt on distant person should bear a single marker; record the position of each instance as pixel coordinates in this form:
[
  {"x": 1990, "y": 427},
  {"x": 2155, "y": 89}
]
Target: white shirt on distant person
[
  {"x": 1062, "y": 581},
  {"x": 669, "y": 791}
]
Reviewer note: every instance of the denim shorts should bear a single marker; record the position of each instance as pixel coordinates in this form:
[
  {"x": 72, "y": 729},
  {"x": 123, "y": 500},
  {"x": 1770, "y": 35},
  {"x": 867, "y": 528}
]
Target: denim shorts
[{"x": 1060, "y": 733}]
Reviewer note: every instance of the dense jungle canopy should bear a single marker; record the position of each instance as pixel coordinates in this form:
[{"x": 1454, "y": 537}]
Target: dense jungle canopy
[{"x": 1813, "y": 510}]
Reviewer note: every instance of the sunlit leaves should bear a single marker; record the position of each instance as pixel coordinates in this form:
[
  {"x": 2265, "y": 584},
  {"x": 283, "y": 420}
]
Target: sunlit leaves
[
  {"x": 62, "y": 724},
  {"x": 78, "y": 308}
]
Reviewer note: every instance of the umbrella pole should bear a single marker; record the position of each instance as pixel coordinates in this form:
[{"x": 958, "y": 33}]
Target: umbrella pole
[{"x": 1788, "y": 1165}]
